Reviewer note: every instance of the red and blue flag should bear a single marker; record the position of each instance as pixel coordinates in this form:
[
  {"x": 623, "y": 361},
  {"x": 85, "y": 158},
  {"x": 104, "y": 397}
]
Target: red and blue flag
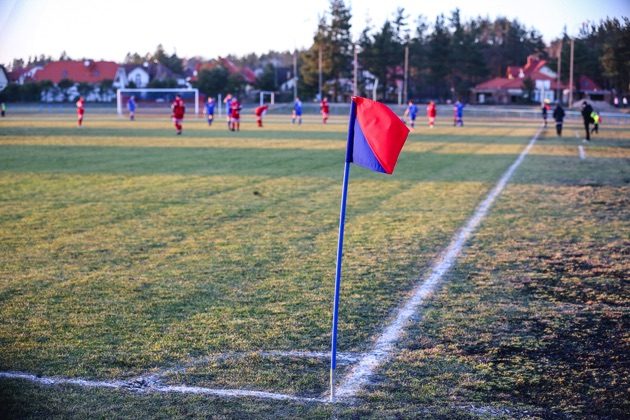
[{"x": 375, "y": 136}]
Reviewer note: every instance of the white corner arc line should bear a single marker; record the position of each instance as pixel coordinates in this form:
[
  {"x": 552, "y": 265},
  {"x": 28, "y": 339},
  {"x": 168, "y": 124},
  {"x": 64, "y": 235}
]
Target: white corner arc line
[
  {"x": 359, "y": 375},
  {"x": 151, "y": 387}
]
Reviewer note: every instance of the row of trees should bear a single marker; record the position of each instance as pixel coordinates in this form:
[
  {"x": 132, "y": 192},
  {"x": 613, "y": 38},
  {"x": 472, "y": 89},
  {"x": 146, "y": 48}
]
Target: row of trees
[
  {"x": 449, "y": 56},
  {"x": 446, "y": 57}
]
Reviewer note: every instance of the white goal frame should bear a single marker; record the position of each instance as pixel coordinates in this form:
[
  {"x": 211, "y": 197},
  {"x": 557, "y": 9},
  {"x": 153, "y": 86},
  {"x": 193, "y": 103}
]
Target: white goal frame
[
  {"x": 272, "y": 97},
  {"x": 119, "y": 92}
]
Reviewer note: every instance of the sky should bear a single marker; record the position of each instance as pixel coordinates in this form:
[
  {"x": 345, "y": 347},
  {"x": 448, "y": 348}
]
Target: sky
[{"x": 109, "y": 29}]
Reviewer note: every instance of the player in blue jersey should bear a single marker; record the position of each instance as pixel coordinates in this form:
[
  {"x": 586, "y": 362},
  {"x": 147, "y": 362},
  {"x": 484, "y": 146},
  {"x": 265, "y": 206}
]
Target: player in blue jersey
[
  {"x": 131, "y": 106},
  {"x": 411, "y": 113},
  {"x": 458, "y": 114},
  {"x": 297, "y": 111},
  {"x": 210, "y": 110}
]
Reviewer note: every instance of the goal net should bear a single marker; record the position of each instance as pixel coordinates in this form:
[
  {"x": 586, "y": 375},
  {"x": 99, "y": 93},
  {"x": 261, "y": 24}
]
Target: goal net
[{"x": 156, "y": 101}]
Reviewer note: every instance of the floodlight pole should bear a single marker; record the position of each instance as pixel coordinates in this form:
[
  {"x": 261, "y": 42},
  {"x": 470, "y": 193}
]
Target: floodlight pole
[
  {"x": 295, "y": 76},
  {"x": 558, "y": 87},
  {"x": 406, "y": 76},
  {"x": 320, "y": 73},
  {"x": 571, "y": 75},
  {"x": 355, "y": 84}
]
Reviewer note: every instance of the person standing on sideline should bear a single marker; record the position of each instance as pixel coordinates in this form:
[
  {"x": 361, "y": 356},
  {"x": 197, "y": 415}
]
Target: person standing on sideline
[
  {"x": 587, "y": 110},
  {"x": 259, "y": 112},
  {"x": 325, "y": 109},
  {"x": 80, "y": 111},
  {"x": 558, "y": 116},
  {"x": 458, "y": 111},
  {"x": 545, "y": 111},
  {"x": 431, "y": 113},
  {"x": 411, "y": 113},
  {"x": 624, "y": 101},
  {"x": 131, "y": 106},
  {"x": 297, "y": 112},
  {"x": 228, "y": 109},
  {"x": 3, "y": 109},
  {"x": 178, "y": 109},
  {"x": 210, "y": 110}
]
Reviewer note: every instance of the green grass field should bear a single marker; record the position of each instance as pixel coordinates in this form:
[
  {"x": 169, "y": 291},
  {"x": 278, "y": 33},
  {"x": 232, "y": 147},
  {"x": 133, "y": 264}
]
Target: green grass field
[{"x": 127, "y": 251}]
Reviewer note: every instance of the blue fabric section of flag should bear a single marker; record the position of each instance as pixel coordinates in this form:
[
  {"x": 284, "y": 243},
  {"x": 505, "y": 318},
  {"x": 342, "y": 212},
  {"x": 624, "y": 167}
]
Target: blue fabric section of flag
[
  {"x": 362, "y": 154},
  {"x": 358, "y": 150}
]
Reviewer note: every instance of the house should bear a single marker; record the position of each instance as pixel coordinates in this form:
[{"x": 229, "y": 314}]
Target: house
[
  {"x": 24, "y": 74},
  {"x": 588, "y": 89},
  {"x": 159, "y": 72},
  {"x": 512, "y": 88},
  {"x": 4, "y": 78},
  {"x": 91, "y": 72},
  {"x": 138, "y": 75}
]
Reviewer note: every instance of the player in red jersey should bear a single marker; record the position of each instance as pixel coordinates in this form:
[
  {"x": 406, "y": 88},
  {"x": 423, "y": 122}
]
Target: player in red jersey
[
  {"x": 431, "y": 113},
  {"x": 80, "y": 111},
  {"x": 260, "y": 111},
  {"x": 325, "y": 109},
  {"x": 177, "y": 113},
  {"x": 235, "y": 115}
]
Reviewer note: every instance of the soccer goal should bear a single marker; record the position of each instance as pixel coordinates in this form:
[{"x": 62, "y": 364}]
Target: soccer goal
[
  {"x": 154, "y": 99},
  {"x": 271, "y": 95}
]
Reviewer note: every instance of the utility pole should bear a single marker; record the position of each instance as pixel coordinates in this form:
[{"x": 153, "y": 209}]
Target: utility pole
[
  {"x": 295, "y": 76},
  {"x": 406, "y": 76},
  {"x": 558, "y": 86},
  {"x": 571, "y": 75},
  {"x": 320, "y": 73},
  {"x": 355, "y": 85}
]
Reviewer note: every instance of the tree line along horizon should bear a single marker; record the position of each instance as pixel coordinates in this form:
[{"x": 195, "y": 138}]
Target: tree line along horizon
[{"x": 446, "y": 58}]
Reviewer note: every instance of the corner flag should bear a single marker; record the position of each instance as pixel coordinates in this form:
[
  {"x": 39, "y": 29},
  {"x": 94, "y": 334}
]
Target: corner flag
[{"x": 375, "y": 138}]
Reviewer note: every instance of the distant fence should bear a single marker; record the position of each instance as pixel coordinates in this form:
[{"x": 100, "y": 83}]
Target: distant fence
[{"x": 444, "y": 112}]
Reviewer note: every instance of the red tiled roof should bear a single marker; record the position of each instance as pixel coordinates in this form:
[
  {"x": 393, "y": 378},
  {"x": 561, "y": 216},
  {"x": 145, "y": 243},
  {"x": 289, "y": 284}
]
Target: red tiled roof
[
  {"x": 78, "y": 71},
  {"x": 500, "y": 83}
]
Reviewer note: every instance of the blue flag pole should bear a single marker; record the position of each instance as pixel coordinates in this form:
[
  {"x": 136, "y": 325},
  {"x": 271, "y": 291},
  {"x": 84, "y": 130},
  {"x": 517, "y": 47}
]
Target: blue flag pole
[{"x": 342, "y": 219}]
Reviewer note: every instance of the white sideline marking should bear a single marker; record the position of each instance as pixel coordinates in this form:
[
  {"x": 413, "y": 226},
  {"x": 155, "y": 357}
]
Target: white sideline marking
[
  {"x": 151, "y": 386},
  {"x": 582, "y": 152},
  {"x": 360, "y": 374}
]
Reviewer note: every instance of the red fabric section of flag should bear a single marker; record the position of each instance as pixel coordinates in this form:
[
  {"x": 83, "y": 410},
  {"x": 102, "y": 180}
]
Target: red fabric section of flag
[{"x": 384, "y": 131}]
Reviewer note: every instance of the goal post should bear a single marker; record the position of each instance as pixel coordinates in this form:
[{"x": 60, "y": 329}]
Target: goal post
[
  {"x": 272, "y": 97},
  {"x": 141, "y": 91}
]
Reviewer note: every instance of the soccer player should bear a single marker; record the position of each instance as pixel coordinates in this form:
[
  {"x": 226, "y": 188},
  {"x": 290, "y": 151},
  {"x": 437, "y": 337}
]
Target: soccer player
[
  {"x": 80, "y": 111},
  {"x": 411, "y": 112},
  {"x": 558, "y": 115},
  {"x": 431, "y": 113},
  {"x": 458, "y": 114},
  {"x": 131, "y": 106},
  {"x": 587, "y": 110},
  {"x": 210, "y": 110},
  {"x": 228, "y": 109},
  {"x": 260, "y": 111},
  {"x": 235, "y": 115},
  {"x": 178, "y": 109},
  {"x": 297, "y": 112},
  {"x": 545, "y": 111},
  {"x": 325, "y": 109}
]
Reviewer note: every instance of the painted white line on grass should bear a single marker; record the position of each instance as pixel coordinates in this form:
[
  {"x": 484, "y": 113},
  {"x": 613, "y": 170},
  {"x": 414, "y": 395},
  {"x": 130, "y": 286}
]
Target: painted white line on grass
[
  {"x": 62, "y": 381},
  {"x": 360, "y": 374},
  {"x": 150, "y": 385},
  {"x": 582, "y": 152}
]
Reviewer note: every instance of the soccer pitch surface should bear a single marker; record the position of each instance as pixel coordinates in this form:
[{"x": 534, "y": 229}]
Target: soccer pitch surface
[{"x": 142, "y": 273}]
